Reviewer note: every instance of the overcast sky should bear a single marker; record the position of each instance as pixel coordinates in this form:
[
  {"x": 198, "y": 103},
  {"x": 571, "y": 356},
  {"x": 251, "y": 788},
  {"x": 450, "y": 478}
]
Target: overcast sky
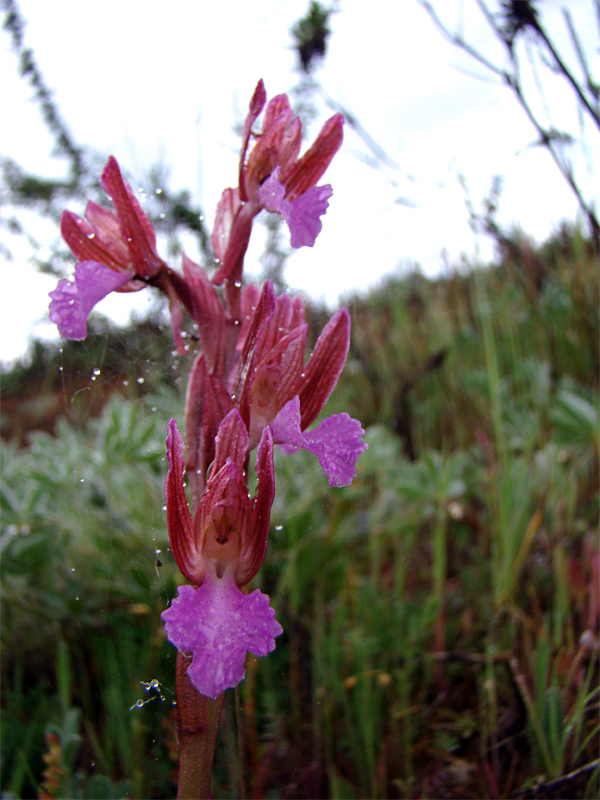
[{"x": 152, "y": 81}]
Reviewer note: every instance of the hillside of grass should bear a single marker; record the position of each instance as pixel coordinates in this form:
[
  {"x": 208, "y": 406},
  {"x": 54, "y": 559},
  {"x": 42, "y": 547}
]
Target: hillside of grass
[{"x": 440, "y": 614}]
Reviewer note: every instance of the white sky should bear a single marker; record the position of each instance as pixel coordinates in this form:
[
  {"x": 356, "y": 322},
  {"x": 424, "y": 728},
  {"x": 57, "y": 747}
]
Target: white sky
[{"x": 148, "y": 81}]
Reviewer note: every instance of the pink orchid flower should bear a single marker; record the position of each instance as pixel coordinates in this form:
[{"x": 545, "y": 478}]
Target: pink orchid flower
[
  {"x": 272, "y": 177},
  {"x": 219, "y": 551},
  {"x": 275, "y": 388},
  {"x": 116, "y": 253}
]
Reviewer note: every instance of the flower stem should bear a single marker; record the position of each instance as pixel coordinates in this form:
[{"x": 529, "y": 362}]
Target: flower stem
[{"x": 198, "y": 720}]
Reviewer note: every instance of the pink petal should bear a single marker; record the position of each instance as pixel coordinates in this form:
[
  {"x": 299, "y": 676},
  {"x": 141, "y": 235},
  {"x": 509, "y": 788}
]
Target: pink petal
[
  {"x": 135, "y": 226},
  {"x": 302, "y": 215},
  {"x": 218, "y": 625},
  {"x": 324, "y": 366},
  {"x": 72, "y": 301},
  {"x": 179, "y": 519},
  {"x": 310, "y": 168},
  {"x": 304, "y": 218},
  {"x": 336, "y": 441}
]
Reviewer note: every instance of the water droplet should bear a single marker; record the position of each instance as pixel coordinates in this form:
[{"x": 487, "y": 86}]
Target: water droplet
[
  {"x": 201, "y": 217},
  {"x": 96, "y": 371},
  {"x": 91, "y": 235},
  {"x": 164, "y": 508},
  {"x": 162, "y": 216},
  {"x": 125, "y": 383},
  {"x": 139, "y": 703},
  {"x": 278, "y": 527},
  {"x": 237, "y": 284},
  {"x": 153, "y": 409},
  {"x": 158, "y": 191},
  {"x": 81, "y": 480},
  {"x": 77, "y": 599},
  {"x": 140, "y": 380},
  {"x": 72, "y": 569},
  {"x": 60, "y": 369}
]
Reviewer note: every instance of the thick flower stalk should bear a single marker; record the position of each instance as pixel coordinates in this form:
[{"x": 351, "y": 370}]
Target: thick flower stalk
[{"x": 250, "y": 388}]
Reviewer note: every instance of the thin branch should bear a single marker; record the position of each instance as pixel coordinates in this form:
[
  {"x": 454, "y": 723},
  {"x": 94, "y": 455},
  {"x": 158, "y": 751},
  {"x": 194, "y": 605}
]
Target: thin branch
[
  {"x": 567, "y": 74},
  {"x": 560, "y": 783},
  {"x": 592, "y": 86}
]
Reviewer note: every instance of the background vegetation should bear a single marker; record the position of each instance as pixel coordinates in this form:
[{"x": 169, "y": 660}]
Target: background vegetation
[{"x": 440, "y": 615}]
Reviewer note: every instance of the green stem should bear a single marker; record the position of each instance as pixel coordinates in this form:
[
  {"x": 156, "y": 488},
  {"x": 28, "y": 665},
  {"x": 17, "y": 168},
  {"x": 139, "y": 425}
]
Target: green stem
[{"x": 198, "y": 720}]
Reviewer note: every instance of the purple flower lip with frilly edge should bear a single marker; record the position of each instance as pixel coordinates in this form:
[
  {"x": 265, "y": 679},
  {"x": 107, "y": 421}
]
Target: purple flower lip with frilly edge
[
  {"x": 72, "y": 301},
  {"x": 335, "y": 441},
  {"x": 218, "y": 624}
]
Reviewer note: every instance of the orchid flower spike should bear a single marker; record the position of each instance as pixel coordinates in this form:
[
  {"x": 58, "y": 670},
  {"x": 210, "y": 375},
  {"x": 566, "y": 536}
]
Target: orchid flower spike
[
  {"x": 219, "y": 551},
  {"x": 272, "y": 177}
]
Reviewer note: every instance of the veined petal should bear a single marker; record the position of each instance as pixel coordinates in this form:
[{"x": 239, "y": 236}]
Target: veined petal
[
  {"x": 107, "y": 229},
  {"x": 227, "y": 208},
  {"x": 179, "y": 519},
  {"x": 254, "y": 544},
  {"x": 135, "y": 225},
  {"x": 231, "y": 442},
  {"x": 259, "y": 98},
  {"x": 219, "y": 625},
  {"x": 86, "y": 244},
  {"x": 336, "y": 441},
  {"x": 72, "y": 301},
  {"x": 324, "y": 366},
  {"x": 309, "y": 169}
]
